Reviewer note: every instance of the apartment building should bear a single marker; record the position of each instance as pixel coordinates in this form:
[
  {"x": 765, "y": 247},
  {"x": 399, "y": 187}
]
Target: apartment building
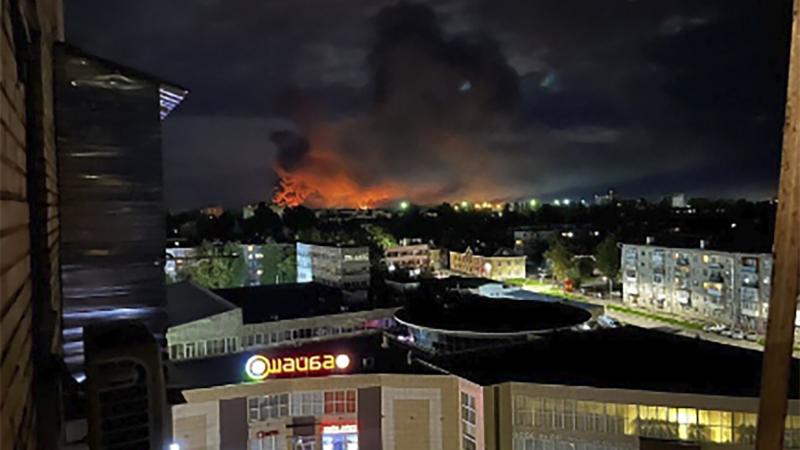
[
  {"x": 413, "y": 255},
  {"x": 501, "y": 266},
  {"x": 346, "y": 267},
  {"x": 710, "y": 285}
]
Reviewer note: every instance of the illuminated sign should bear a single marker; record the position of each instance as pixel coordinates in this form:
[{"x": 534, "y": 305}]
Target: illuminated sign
[
  {"x": 259, "y": 367},
  {"x": 347, "y": 428}
]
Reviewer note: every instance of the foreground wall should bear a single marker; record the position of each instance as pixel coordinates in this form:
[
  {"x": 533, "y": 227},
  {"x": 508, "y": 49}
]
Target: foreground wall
[{"x": 29, "y": 226}]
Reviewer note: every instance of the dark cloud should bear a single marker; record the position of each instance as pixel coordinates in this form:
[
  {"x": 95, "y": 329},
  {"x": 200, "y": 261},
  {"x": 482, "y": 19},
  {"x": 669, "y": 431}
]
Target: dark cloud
[
  {"x": 539, "y": 98},
  {"x": 292, "y": 149}
]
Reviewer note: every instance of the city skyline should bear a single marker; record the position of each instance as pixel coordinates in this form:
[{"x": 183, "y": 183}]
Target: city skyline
[{"x": 544, "y": 100}]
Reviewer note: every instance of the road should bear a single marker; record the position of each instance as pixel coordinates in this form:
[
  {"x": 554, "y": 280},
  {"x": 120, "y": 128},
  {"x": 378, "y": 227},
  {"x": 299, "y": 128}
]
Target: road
[{"x": 644, "y": 322}]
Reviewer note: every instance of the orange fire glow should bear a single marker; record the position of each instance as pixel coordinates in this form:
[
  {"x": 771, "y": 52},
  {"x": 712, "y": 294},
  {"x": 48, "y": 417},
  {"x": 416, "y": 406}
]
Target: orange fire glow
[{"x": 325, "y": 181}]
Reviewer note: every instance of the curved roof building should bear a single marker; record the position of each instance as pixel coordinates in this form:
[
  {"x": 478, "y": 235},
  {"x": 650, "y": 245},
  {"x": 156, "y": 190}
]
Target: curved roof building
[{"x": 471, "y": 321}]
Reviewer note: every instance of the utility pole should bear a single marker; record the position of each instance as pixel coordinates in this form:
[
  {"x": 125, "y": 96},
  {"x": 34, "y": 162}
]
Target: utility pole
[{"x": 786, "y": 275}]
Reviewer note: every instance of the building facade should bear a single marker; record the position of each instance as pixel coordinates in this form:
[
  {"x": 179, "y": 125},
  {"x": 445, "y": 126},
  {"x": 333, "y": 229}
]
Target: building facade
[
  {"x": 450, "y": 412},
  {"x": 494, "y": 267},
  {"x": 411, "y": 256},
  {"x": 227, "y": 333},
  {"x": 709, "y": 285},
  {"x": 342, "y": 267},
  {"x": 369, "y": 411},
  {"x": 206, "y": 324}
]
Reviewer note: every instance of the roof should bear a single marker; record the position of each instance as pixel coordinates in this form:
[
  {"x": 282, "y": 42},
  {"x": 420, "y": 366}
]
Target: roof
[
  {"x": 343, "y": 245},
  {"x": 170, "y": 94},
  {"x": 478, "y": 314},
  {"x": 366, "y": 352},
  {"x": 187, "y": 302},
  {"x": 288, "y": 301},
  {"x": 623, "y": 358}
]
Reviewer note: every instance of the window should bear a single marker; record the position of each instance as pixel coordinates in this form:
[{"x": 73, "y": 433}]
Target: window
[
  {"x": 340, "y": 402},
  {"x": 230, "y": 345},
  {"x": 468, "y": 422},
  {"x": 307, "y": 404},
  {"x": 259, "y": 339},
  {"x": 176, "y": 351},
  {"x": 252, "y": 409},
  {"x": 269, "y": 442},
  {"x": 190, "y": 350},
  {"x": 267, "y": 407}
]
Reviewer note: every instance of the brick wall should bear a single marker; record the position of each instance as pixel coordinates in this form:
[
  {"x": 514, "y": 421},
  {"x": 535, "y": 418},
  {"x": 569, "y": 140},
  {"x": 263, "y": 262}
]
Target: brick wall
[{"x": 29, "y": 280}]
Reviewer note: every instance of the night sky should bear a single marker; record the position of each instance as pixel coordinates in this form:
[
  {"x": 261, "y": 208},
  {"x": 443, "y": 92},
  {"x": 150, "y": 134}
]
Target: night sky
[{"x": 361, "y": 102}]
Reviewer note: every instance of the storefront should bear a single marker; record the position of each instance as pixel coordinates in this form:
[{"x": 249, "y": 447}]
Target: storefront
[{"x": 340, "y": 436}]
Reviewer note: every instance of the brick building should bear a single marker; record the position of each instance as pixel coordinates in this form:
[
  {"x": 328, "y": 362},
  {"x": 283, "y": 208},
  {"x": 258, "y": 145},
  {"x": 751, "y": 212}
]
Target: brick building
[{"x": 30, "y": 303}]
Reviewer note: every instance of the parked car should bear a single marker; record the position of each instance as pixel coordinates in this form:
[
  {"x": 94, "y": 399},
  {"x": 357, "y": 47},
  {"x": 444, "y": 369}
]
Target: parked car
[
  {"x": 751, "y": 336},
  {"x": 714, "y": 328},
  {"x": 737, "y": 334},
  {"x": 726, "y": 332}
]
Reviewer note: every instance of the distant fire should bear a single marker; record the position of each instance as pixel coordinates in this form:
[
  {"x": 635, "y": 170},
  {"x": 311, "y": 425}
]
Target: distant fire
[{"x": 323, "y": 179}]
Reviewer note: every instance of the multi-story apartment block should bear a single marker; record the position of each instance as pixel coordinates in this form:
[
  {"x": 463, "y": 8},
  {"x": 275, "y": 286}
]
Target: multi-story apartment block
[
  {"x": 413, "y": 255},
  {"x": 731, "y": 288},
  {"x": 340, "y": 266},
  {"x": 498, "y": 267}
]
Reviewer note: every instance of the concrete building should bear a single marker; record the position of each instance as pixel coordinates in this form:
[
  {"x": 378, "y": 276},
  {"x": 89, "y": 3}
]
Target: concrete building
[
  {"x": 206, "y": 324},
  {"x": 30, "y": 248},
  {"x": 679, "y": 201},
  {"x": 498, "y": 267},
  {"x": 709, "y": 285},
  {"x": 345, "y": 267},
  {"x": 413, "y": 255},
  {"x": 384, "y": 394},
  {"x": 605, "y": 199}
]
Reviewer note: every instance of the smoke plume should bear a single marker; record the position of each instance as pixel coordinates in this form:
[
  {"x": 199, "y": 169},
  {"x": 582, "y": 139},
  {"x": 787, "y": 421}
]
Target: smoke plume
[{"x": 436, "y": 100}]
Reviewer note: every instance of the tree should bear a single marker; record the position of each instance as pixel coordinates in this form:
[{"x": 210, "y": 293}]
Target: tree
[
  {"x": 218, "y": 266},
  {"x": 607, "y": 257},
  {"x": 299, "y": 218},
  {"x": 379, "y": 237},
  {"x": 278, "y": 264},
  {"x": 560, "y": 259}
]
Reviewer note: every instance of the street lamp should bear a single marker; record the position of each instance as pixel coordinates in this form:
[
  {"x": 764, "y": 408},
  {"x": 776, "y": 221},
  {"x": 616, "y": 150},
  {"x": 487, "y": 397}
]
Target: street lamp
[{"x": 404, "y": 205}]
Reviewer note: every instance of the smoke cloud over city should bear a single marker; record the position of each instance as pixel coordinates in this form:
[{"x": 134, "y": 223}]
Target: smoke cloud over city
[{"x": 435, "y": 98}]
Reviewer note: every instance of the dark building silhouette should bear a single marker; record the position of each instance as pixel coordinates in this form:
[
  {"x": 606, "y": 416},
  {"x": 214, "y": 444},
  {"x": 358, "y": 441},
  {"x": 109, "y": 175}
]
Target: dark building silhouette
[{"x": 108, "y": 121}]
